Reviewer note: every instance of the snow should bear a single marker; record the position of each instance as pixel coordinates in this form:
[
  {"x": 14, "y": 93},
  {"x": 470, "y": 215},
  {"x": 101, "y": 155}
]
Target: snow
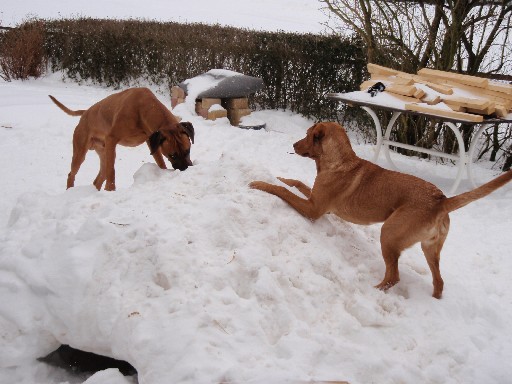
[
  {"x": 197, "y": 85},
  {"x": 192, "y": 277},
  {"x": 216, "y": 107}
]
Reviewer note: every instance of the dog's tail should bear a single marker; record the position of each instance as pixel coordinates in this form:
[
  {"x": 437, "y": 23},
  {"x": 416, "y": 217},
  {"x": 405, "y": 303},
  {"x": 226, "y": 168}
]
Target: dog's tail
[
  {"x": 80, "y": 112},
  {"x": 459, "y": 201}
]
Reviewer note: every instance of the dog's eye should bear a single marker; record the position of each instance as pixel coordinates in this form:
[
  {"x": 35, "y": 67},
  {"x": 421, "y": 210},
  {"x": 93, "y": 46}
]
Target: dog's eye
[{"x": 173, "y": 156}]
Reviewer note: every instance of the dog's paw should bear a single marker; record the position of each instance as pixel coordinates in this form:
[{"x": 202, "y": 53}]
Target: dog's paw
[
  {"x": 261, "y": 185},
  {"x": 385, "y": 285}
]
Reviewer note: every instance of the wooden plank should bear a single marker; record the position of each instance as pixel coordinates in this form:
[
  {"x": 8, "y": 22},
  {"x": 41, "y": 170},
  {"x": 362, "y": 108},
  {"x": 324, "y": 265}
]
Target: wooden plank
[
  {"x": 386, "y": 80},
  {"x": 402, "y": 81},
  {"x": 474, "y": 81},
  {"x": 419, "y": 93},
  {"x": 487, "y": 111},
  {"x": 237, "y": 103},
  {"x": 444, "y": 113},
  {"x": 216, "y": 114},
  {"x": 380, "y": 70},
  {"x": 501, "y": 111},
  {"x": 208, "y": 102},
  {"x": 405, "y": 75},
  {"x": 406, "y": 99},
  {"x": 500, "y": 98},
  {"x": 431, "y": 100},
  {"x": 177, "y": 92},
  {"x": 405, "y": 90},
  {"x": 175, "y": 101},
  {"x": 500, "y": 87},
  {"x": 457, "y": 107},
  {"x": 440, "y": 88},
  {"x": 466, "y": 102},
  {"x": 393, "y": 79},
  {"x": 426, "y": 81}
]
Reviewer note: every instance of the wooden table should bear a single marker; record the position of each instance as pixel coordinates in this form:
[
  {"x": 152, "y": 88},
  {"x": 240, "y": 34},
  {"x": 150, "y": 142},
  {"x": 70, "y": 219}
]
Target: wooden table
[{"x": 395, "y": 105}]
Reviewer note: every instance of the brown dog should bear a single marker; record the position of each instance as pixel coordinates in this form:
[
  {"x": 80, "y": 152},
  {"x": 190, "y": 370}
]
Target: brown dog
[
  {"x": 361, "y": 192},
  {"x": 128, "y": 118}
]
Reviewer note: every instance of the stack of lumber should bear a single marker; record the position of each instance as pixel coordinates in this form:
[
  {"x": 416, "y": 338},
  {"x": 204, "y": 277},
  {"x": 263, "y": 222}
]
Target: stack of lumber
[
  {"x": 210, "y": 108},
  {"x": 232, "y": 108},
  {"x": 445, "y": 94},
  {"x": 214, "y": 108},
  {"x": 237, "y": 108},
  {"x": 177, "y": 96}
]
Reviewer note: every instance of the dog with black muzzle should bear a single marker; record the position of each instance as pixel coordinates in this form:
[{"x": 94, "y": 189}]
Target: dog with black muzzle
[{"x": 128, "y": 118}]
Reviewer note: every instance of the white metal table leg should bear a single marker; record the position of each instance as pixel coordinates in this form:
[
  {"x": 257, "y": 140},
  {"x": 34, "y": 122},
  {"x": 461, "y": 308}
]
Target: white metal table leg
[
  {"x": 386, "y": 140},
  {"x": 462, "y": 156},
  {"x": 471, "y": 152},
  {"x": 463, "y": 159},
  {"x": 378, "y": 128}
]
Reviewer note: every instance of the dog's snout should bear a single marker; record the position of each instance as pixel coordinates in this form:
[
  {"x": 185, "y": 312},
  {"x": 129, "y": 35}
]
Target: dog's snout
[
  {"x": 299, "y": 148},
  {"x": 181, "y": 164}
]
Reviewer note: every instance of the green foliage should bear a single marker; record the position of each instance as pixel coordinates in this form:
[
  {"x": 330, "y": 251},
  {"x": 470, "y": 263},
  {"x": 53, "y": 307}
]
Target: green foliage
[{"x": 297, "y": 69}]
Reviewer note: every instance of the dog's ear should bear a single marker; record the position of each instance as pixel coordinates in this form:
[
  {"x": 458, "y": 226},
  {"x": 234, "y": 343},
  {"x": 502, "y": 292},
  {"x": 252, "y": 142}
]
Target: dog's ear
[
  {"x": 318, "y": 133},
  {"x": 189, "y": 130},
  {"x": 155, "y": 140}
]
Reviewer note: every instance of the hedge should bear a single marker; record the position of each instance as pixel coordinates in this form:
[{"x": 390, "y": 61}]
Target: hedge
[{"x": 297, "y": 69}]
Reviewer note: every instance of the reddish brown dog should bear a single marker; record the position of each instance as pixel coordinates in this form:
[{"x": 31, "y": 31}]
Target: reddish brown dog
[
  {"x": 128, "y": 118},
  {"x": 361, "y": 192}
]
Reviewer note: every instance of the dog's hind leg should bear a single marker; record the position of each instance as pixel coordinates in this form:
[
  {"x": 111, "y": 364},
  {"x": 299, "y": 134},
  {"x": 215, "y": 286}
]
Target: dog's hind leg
[
  {"x": 397, "y": 234},
  {"x": 110, "y": 158},
  {"x": 100, "y": 179},
  {"x": 79, "y": 152},
  {"x": 392, "y": 276},
  {"x": 432, "y": 250}
]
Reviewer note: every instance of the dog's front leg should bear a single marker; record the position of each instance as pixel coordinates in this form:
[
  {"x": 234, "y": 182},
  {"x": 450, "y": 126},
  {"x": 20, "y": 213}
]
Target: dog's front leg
[
  {"x": 110, "y": 158},
  {"x": 303, "y": 188},
  {"x": 159, "y": 159},
  {"x": 157, "y": 155},
  {"x": 306, "y": 207}
]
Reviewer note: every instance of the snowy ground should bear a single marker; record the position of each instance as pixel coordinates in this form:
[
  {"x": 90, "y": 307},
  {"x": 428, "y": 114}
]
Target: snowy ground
[{"x": 192, "y": 277}]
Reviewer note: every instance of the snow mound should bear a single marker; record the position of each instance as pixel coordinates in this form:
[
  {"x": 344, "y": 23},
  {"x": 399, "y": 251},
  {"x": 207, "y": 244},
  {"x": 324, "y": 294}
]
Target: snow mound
[
  {"x": 192, "y": 277},
  {"x": 172, "y": 271}
]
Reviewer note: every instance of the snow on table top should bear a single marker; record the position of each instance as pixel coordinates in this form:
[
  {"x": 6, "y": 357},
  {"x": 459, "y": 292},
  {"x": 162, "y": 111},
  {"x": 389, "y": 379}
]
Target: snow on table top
[{"x": 388, "y": 100}]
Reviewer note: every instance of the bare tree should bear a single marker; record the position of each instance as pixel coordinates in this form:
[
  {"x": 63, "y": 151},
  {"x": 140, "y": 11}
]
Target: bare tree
[
  {"x": 470, "y": 36},
  {"x": 466, "y": 36}
]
